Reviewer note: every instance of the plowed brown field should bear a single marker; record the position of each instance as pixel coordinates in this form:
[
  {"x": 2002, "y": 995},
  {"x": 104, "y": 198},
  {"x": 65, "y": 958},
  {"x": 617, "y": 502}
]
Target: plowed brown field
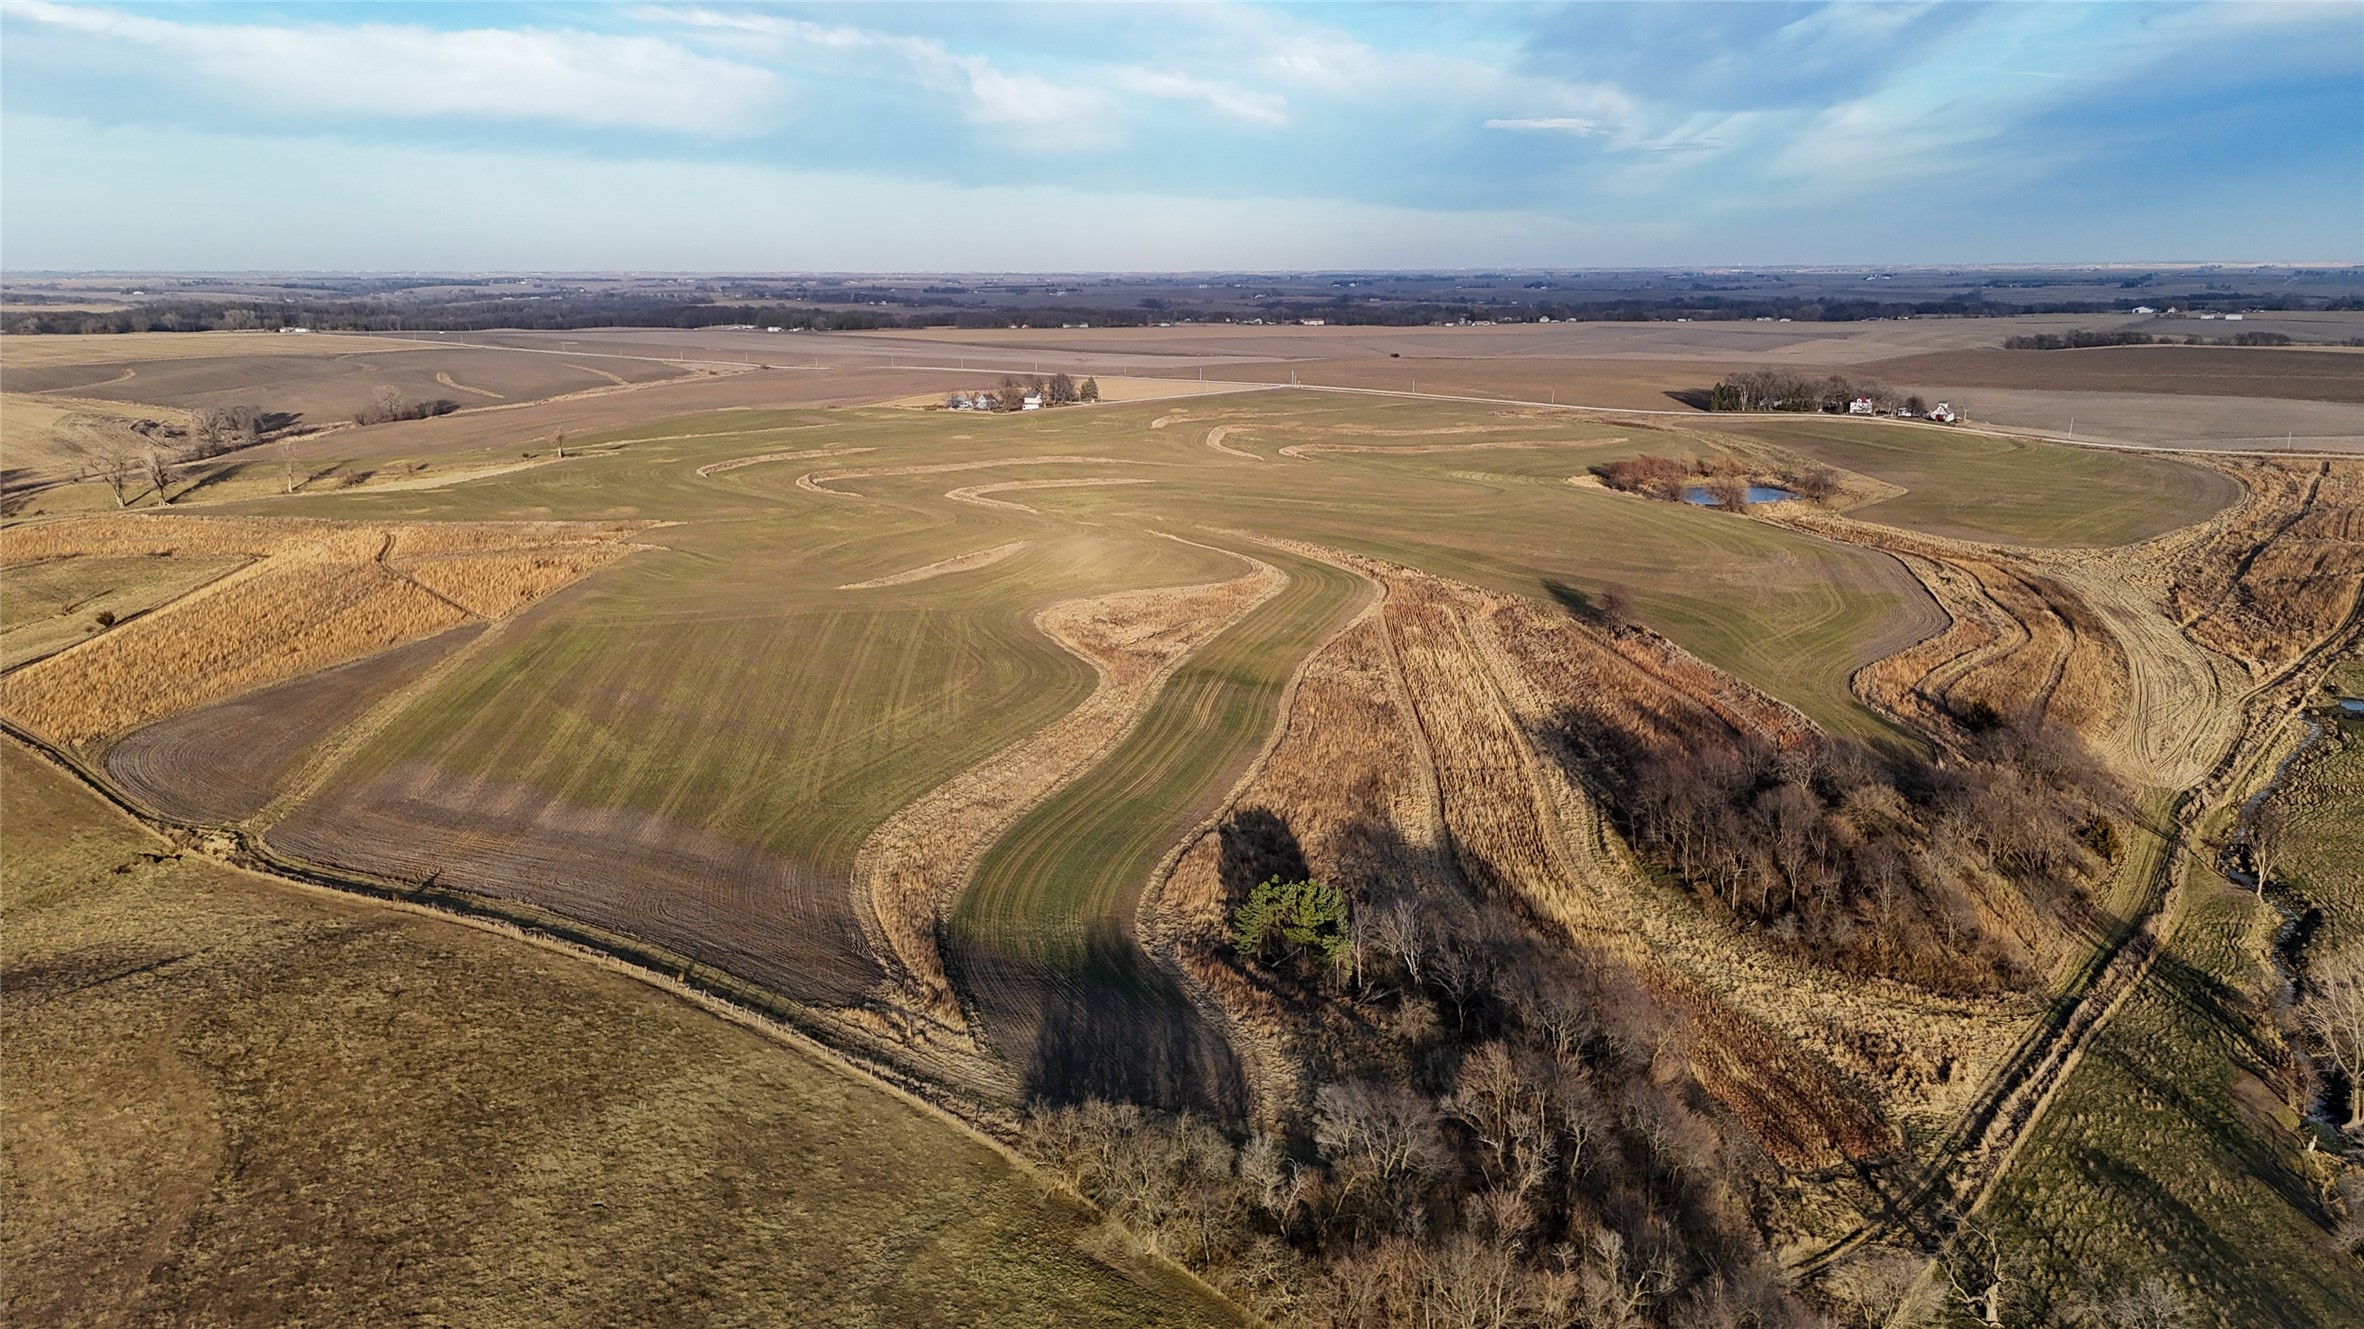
[{"x": 226, "y": 762}]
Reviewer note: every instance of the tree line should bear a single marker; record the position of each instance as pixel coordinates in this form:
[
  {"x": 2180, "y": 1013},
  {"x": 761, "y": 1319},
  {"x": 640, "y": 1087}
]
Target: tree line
[
  {"x": 1782, "y": 390},
  {"x": 1015, "y": 389},
  {"x": 2084, "y": 338},
  {"x": 1502, "y": 1146},
  {"x": 1869, "y": 864}
]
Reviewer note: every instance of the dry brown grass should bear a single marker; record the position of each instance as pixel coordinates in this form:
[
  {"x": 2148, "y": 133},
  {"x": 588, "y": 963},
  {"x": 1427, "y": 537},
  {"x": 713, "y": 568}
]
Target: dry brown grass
[
  {"x": 1415, "y": 744},
  {"x": 2284, "y": 571},
  {"x": 498, "y": 585},
  {"x": 914, "y": 865},
  {"x": 2020, "y": 644},
  {"x": 319, "y": 593},
  {"x": 977, "y": 493},
  {"x": 983, "y": 558},
  {"x": 717, "y": 468},
  {"x": 229, "y": 1101}
]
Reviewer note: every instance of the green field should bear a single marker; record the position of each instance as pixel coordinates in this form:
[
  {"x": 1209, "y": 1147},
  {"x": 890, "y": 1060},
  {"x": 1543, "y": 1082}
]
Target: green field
[
  {"x": 53, "y": 604},
  {"x": 233, "y": 1102},
  {"x": 1055, "y": 898},
  {"x": 1979, "y": 487},
  {"x": 2169, "y": 1149},
  {"x": 1079, "y": 861}
]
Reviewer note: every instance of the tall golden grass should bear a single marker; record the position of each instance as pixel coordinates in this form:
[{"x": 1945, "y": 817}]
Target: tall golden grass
[
  {"x": 2285, "y": 572},
  {"x": 319, "y": 593},
  {"x": 1410, "y": 750}
]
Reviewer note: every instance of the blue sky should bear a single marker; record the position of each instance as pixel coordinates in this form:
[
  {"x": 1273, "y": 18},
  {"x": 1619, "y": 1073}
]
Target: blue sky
[{"x": 947, "y": 137}]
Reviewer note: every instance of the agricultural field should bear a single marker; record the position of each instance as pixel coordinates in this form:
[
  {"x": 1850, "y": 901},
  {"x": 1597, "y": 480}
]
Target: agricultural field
[
  {"x": 1983, "y": 487},
  {"x": 2330, "y": 374},
  {"x": 56, "y": 603},
  {"x": 233, "y": 1101},
  {"x": 1808, "y": 850},
  {"x": 323, "y": 389}
]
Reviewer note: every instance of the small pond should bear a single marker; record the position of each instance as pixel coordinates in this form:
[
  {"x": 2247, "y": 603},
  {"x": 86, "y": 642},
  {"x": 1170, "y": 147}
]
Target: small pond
[
  {"x": 1756, "y": 494},
  {"x": 2352, "y": 705}
]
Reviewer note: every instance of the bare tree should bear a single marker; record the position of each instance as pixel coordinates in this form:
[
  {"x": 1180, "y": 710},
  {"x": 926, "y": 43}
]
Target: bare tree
[
  {"x": 2152, "y": 1303},
  {"x": 1877, "y": 1290},
  {"x": 1400, "y": 932},
  {"x": 118, "y": 463},
  {"x": 153, "y": 468},
  {"x": 1383, "y": 1139},
  {"x": 1979, "y": 1271},
  {"x": 2267, "y": 826},
  {"x": 2334, "y": 1013}
]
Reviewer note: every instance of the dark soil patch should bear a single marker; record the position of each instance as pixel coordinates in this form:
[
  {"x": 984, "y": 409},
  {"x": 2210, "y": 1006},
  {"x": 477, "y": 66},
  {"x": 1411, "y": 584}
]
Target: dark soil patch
[
  {"x": 227, "y": 761},
  {"x": 763, "y": 919}
]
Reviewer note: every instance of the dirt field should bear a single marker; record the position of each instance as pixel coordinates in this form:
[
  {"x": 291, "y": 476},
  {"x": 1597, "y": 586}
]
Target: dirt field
[
  {"x": 230, "y": 1102},
  {"x": 228, "y": 761},
  {"x": 2329, "y": 374}
]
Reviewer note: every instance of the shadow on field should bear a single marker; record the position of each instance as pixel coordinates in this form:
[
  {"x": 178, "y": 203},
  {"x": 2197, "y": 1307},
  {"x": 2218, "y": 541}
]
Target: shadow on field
[
  {"x": 1106, "y": 1024},
  {"x": 1256, "y": 845}
]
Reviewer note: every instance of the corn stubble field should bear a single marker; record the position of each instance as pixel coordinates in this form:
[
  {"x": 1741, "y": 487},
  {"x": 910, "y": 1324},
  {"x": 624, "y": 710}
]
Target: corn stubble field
[{"x": 1750, "y": 916}]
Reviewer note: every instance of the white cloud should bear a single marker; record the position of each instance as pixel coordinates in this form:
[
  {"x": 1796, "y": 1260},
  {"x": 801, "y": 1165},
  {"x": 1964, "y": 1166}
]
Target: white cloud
[
  {"x": 1065, "y": 115},
  {"x": 1556, "y": 124},
  {"x": 1264, "y": 108},
  {"x": 77, "y": 200},
  {"x": 400, "y": 70}
]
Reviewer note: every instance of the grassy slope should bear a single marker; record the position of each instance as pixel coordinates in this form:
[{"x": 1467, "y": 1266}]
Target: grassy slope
[
  {"x": 1074, "y": 867},
  {"x": 2166, "y": 1151},
  {"x": 231, "y": 1102},
  {"x": 1792, "y": 614},
  {"x": 53, "y": 604},
  {"x": 1976, "y": 487},
  {"x": 729, "y": 684}
]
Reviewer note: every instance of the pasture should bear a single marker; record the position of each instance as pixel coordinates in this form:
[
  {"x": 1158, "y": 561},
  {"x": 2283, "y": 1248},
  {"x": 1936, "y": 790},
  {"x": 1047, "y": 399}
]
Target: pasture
[
  {"x": 59, "y": 602},
  {"x": 1982, "y": 487},
  {"x": 232, "y": 1101}
]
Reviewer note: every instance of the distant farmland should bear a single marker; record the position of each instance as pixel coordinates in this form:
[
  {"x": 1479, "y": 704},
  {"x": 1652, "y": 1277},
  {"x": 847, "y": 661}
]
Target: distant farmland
[{"x": 953, "y": 739}]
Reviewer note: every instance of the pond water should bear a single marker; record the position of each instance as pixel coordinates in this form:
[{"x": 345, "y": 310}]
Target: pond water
[
  {"x": 1756, "y": 494},
  {"x": 2352, "y": 705}
]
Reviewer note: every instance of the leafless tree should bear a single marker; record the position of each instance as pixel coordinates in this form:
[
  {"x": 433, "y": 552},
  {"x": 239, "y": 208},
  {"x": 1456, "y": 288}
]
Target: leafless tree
[
  {"x": 2264, "y": 830},
  {"x": 119, "y": 463},
  {"x": 2334, "y": 1013},
  {"x": 1979, "y": 1270},
  {"x": 1401, "y": 932},
  {"x": 1383, "y": 1140},
  {"x": 152, "y": 467}
]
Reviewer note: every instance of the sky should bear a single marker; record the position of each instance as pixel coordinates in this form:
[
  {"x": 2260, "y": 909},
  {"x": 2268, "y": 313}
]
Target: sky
[{"x": 982, "y": 137}]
